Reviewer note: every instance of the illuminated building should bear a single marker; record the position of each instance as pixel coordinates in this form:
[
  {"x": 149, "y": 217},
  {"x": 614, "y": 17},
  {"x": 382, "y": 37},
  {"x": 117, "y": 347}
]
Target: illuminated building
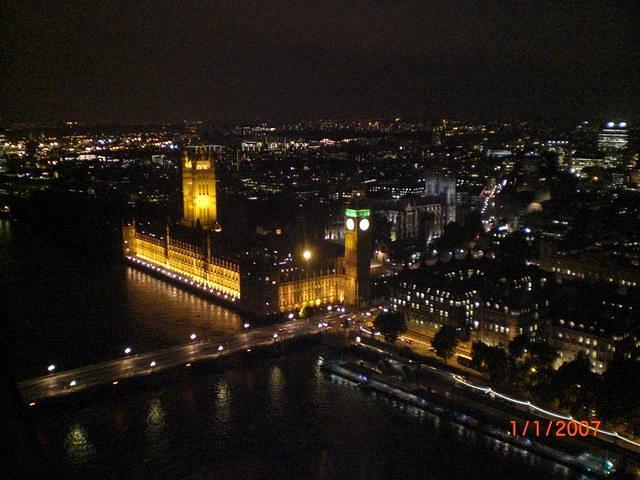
[
  {"x": 599, "y": 344},
  {"x": 420, "y": 218},
  {"x": 199, "y": 188},
  {"x": 578, "y": 162},
  {"x": 499, "y": 323},
  {"x": 445, "y": 294},
  {"x": 616, "y": 263},
  {"x": 514, "y": 302},
  {"x": 262, "y": 282},
  {"x": 613, "y": 137},
  {"x": 445, "y": 189},
  {"x": 493, "y": 305},
  {"x": 357, "y": 253}
]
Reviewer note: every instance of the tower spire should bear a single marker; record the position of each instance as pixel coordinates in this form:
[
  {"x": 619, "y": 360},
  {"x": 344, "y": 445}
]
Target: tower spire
[{"x": 199, "y": 188}]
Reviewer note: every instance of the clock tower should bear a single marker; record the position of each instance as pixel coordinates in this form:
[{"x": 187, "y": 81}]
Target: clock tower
[
  {"x": 357, "y": 254},
  {"x": 199, "y": 188}
]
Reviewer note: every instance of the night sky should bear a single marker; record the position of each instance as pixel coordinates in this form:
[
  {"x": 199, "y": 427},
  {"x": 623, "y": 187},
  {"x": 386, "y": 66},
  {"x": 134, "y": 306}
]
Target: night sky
[{"x": 134, "y": 61}]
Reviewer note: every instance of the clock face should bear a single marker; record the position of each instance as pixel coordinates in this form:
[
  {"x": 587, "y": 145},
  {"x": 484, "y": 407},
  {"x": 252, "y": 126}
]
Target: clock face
[
  {"x": 364, "y": 224},
  {"x": 350, "y": 224}
]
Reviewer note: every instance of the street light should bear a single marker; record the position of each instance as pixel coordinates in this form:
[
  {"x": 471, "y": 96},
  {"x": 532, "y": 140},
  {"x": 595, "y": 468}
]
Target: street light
[
  {"x": 220, "y": 348},
  {"x": 73, "y": 383},
  {"x": 306, "y": 255},
  {"x": 127, "y": 351},
  {"x": 51, "y": 367},
  {"x": 152, "y": 364},
  {"x": 246, "y": 324},
  {"x": 193, "y": 336}
]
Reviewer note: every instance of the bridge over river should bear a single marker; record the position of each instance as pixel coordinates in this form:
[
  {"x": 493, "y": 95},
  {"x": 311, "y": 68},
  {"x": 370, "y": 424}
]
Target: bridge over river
[{"x": 113, "y": 371}]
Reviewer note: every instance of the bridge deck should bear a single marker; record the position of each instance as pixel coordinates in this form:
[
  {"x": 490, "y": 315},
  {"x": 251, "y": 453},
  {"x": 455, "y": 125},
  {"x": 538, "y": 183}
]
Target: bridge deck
[{"x": 72, "y": 381}]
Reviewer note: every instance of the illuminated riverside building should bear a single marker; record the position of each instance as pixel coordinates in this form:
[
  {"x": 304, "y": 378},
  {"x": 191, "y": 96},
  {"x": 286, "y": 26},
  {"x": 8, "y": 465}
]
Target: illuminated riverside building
[
  {"x": 432, "y": 297},
  {"x": 500, "y": 320},
  {"x": 492, "y": 305},
  {"x": 599, "y": 344},
  {"x": 602, "y": 324},
  {"x": 260, "y": 281}
]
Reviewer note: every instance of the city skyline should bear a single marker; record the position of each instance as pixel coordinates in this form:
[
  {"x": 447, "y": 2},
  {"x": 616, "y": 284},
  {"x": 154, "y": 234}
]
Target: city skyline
[{"x": 320, "y": 240}]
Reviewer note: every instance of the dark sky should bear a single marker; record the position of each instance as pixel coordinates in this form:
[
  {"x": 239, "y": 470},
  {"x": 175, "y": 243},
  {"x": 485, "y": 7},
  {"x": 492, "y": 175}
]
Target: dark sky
[{"x": 136, "y": 61}]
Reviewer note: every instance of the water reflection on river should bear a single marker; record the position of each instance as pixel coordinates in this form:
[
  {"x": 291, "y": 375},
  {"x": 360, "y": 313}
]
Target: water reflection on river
[{"x": 273, "y": 419}]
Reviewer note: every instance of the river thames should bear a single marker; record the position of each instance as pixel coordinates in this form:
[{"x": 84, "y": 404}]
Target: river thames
[{"x": 269, "y": 419}]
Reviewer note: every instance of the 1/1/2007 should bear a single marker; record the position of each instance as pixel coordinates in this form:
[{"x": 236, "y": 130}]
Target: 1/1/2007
[{"x": 556, "y": 428}]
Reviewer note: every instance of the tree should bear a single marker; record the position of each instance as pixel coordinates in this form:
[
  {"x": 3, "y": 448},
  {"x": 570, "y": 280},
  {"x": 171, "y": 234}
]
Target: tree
[
  {"x": 445, "y": 341},
  {"x": 618, "y": 397},
  {"x": 391, "y": 325},
  {"x": 498, "y": 364},
  {"x": 473, "y": 226},
  {"x": 479, "y": 355},
  {"x": 495, "y": 361},
  {"x": 542, "y": 355},
  {"x": 452, "y": 237},
  {"x": 518, "y": 346},
  {"x": 575, "y": 385},
  {"x": 514, "y": 250}
]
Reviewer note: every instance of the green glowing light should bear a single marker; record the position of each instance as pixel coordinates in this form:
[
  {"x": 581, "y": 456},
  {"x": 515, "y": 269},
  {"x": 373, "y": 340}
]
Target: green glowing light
[{"x": 350, "y": 212}]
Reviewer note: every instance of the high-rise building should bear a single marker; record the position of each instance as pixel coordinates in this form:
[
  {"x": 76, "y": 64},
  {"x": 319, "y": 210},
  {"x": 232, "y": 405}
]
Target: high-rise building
[
  {"x": 613, "y": 137},
  {"x": 445, "y": 189},
  {"x": 199, "y": 188}
]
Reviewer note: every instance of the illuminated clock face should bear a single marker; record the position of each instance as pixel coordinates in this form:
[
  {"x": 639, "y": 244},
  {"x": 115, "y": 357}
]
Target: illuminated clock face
[
  {"x": 350, "y": 224},
  {"x": 364, "y": 224}
]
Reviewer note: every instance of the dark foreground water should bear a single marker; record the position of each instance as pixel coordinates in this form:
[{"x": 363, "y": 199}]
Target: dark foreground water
[{"x": 268, "y": 419}]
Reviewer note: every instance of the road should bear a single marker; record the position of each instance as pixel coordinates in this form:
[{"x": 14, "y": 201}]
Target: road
[{"x": 114, "y": 371}]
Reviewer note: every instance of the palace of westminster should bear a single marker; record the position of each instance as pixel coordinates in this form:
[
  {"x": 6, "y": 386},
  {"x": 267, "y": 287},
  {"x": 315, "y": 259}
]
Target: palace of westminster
[{"x": 261, "y": 282}]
